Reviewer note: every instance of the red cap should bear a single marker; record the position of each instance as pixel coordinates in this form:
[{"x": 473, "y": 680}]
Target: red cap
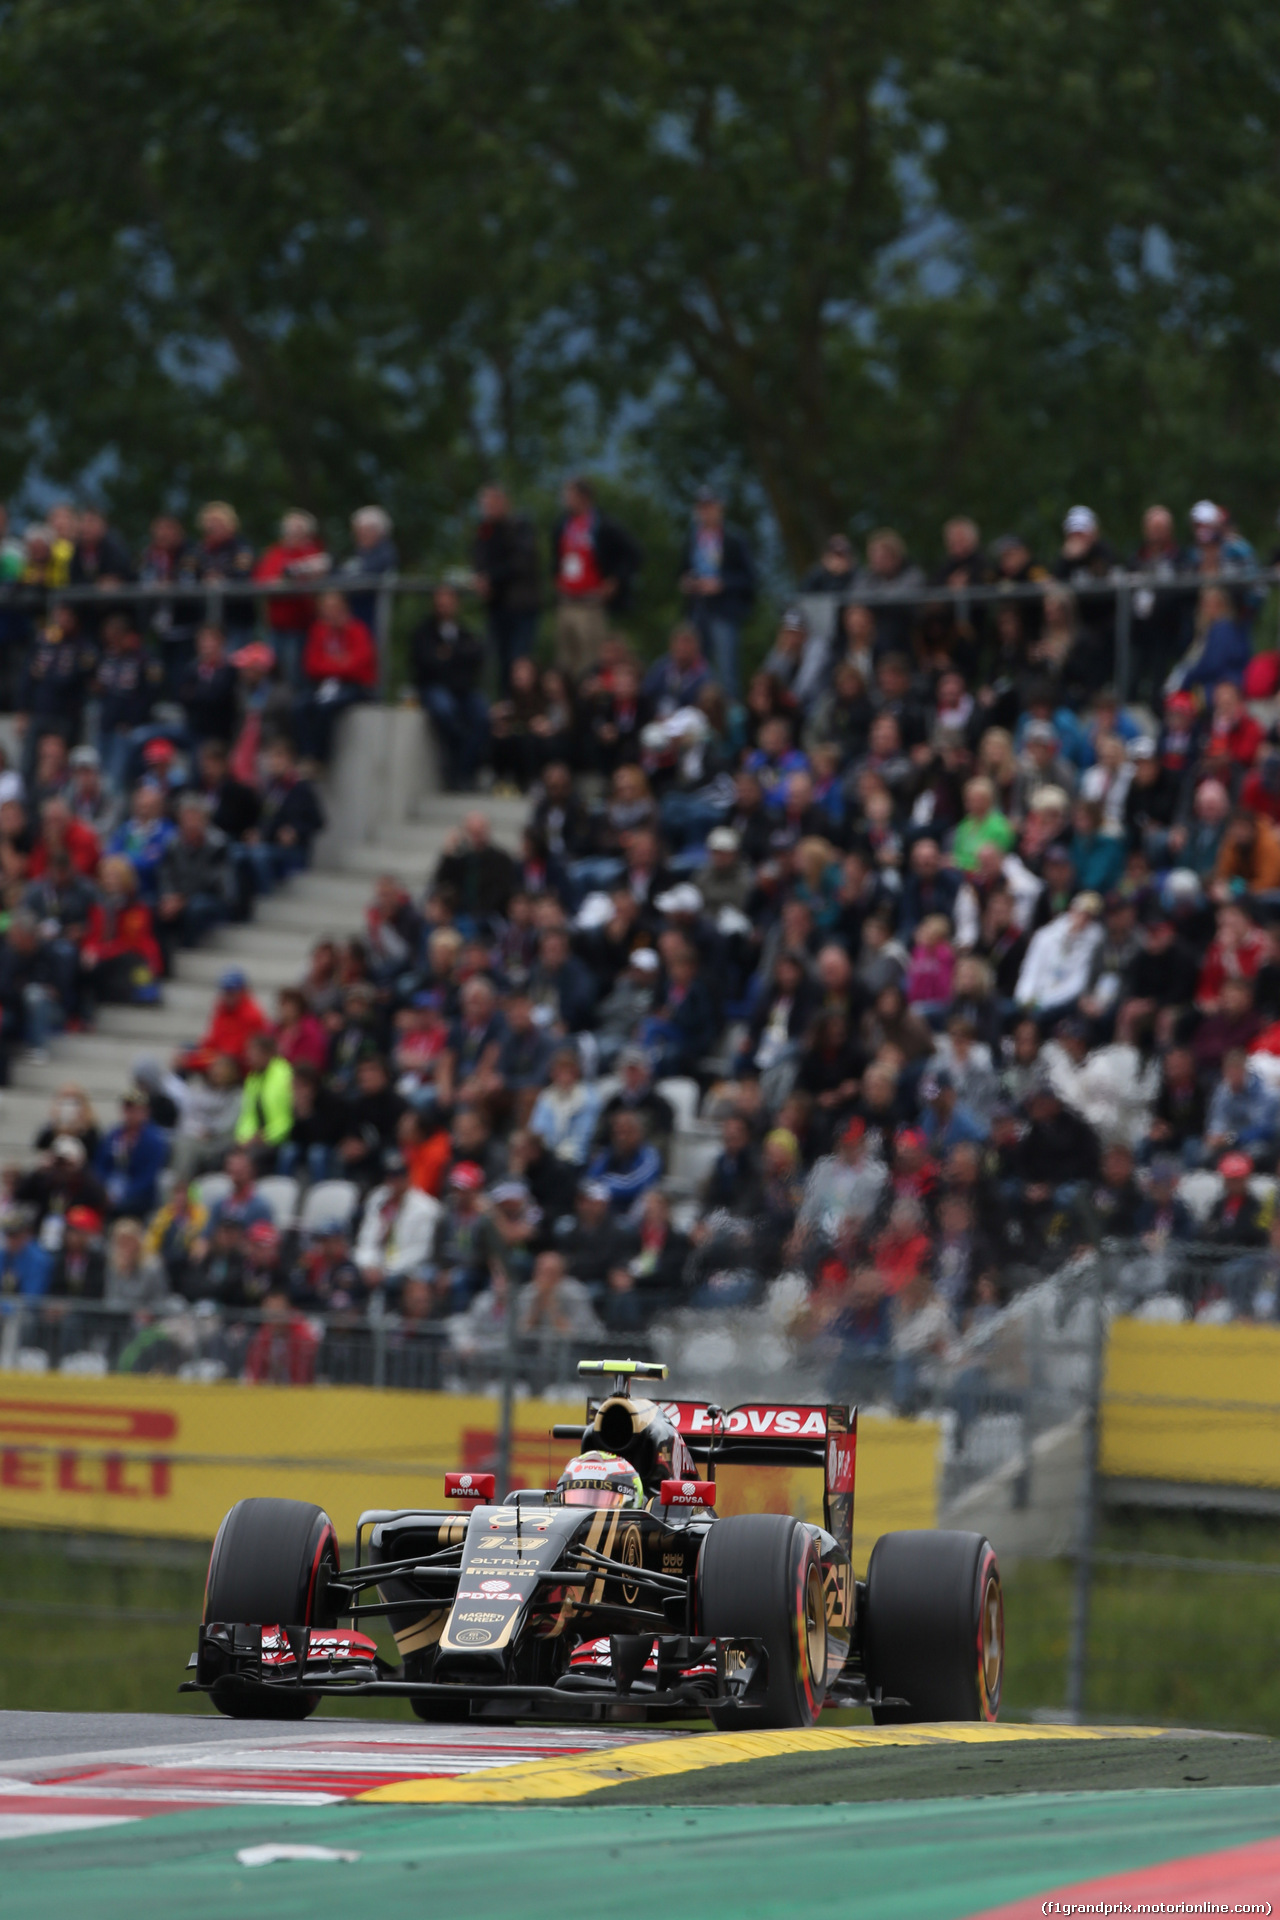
[
  {"x": 85, "y": 1219},
  {"x": 467, "y": 1176},
  {"x": 1180, "y": 703},
  {"x": 256, "y": 654},
  {"x": 1235, "y": 1166},
  {"x": 855, "y": 1130},
  {"x": 159, "y": 753},
  {"x": 262, "y": 1234},
  {"x": 911, "y": 1138}
]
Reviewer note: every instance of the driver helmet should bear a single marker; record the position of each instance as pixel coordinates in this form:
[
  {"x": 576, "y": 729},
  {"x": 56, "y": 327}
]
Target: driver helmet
[{"x": 599, "y": 1480}]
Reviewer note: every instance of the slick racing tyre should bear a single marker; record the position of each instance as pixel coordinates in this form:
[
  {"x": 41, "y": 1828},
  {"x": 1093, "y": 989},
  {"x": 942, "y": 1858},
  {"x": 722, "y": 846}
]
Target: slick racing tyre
[
  {"x": 760, "y": 1577},
  {"x": 933, "y": 1632},
  {"x": 266, "y": 1570}
]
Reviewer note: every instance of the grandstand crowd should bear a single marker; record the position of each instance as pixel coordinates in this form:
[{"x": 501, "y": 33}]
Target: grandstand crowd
[{"x": 946, "y": 960}]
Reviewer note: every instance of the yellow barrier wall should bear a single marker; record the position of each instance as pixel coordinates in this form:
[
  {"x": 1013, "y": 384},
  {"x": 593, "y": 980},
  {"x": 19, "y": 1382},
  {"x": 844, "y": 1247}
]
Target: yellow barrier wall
[
  {"x": 1189, "y": 1403},
  {"x": 169, "y": 1457}
]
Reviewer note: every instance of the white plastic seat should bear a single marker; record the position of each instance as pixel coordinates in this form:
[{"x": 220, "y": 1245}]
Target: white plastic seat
[
  {"x": 329, "y": 1200},
  {"x": 683, "y": 1096},
  {"x": 211, "y": 1188},
  {"x": 280, "y": 1191}
]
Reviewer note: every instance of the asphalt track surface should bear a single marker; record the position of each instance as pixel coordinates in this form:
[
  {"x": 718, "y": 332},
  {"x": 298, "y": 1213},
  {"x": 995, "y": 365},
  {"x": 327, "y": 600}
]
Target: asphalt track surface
[{"x": 128, "y": 1816}]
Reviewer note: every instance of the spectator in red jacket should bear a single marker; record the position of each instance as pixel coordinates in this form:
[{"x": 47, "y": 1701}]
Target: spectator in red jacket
[
  {"x": 299, "y": 554},
  {"x": 1234, "y": 735},
  {"x": 235, "y": 1019},
  {"x": 61, "y": 832},
  {"x": 282, "y": 1352},
  {"x": 340, "y": 666},
  {"x": 120, "y": 957}
]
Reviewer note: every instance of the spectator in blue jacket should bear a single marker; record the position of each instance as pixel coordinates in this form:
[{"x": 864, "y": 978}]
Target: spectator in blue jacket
[
  {"x": 683, "y": 1027},
  {"x": 928, "y": 888},
  {"x": 628, "y": 1167},
  {"x": 678, "y": 677},
  {"x": 25, "y": 1267},
  {"x": 1243, "y": 1113},
  {"x": 718, "y": 581},
  {"x": 131, "y": 1158},
  {"x": 1227, "y": 648}
]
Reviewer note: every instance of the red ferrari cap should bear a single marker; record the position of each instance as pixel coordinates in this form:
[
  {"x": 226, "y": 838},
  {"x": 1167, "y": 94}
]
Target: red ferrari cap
[
  {"x": 1235, "y": 1166},
  {"x": 85, "y": 1219},
  {"x": 159, "y": 753},
  {"x": 855, "y": 1130},
  {"x": 262, "y": 1234}
]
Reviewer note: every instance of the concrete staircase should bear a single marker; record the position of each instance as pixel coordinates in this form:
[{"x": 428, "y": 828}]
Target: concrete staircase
[{"x": 329, "y": 900}]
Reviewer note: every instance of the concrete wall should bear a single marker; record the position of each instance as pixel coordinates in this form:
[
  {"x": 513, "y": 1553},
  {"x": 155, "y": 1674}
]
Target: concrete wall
[{"x": 384, "y": 765}]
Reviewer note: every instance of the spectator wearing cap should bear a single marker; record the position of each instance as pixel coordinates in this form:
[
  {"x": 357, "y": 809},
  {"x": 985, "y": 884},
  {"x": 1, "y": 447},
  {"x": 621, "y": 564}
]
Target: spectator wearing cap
[
  {"x": 944, "y": 1121},
  {"x": 637, "y": 1094},
  {"x": 626, "y": 1007},
  {"x": 222, "y": 557},
  {"x": 628, "y": 1166},
  {"x": 447, "y": 665},
  {"x": 235, "y": 1017},
  {"x": 595, "y": 1241},
  {"x": 195, "y": 884},
  {"x": 325, "y": 1279},
  {"x": 718, "y": 581},
  {"x": 131, "y": 1158},
  {"x": 91, "y": 801},
  {"x": 78, "y": 1270},
  {"x": 62, "y": 1181},
  {"x": 1237, "y": 1218},
  {"x": 1162, "y": 1216},
  {"x": 397, "y": 1227},
  {"x": 339, "y": 668},
  {"x": 1060, "y": 962},
  {"x": 1086, "y": 560},
  {"x": 25, "y": 1266},
  {"x": 1152, "y": 800},
  {"x": 785, "y": 661},
  {"x": 724, "y": 881}
]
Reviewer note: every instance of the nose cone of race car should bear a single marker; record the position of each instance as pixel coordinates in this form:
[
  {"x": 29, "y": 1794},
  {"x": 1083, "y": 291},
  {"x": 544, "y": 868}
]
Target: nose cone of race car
[{"x": 504, "y": 1557}]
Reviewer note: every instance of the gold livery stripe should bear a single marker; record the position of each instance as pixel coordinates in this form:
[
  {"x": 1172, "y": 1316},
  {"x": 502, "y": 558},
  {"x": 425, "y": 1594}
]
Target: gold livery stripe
[{"x": 588, "y": 1773}]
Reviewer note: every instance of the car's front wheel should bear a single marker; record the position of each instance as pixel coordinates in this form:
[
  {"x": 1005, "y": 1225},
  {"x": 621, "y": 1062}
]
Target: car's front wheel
[
  {"x": 268, "y": 1568},
  {"x": 760, "y": 1578},
  {"x": 933, "y": 1629}
]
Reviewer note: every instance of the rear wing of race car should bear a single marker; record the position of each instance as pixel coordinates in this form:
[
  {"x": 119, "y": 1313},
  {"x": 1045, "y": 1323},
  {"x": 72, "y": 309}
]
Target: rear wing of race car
[{"x": 763, "y": 1434}]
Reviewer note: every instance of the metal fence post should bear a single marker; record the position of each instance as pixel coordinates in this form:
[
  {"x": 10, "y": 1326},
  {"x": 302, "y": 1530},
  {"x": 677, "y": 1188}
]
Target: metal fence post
[
  {"x": 510, "y": 1365},
  {"x": 1078, "y": 1649},
  {"x": 1124, "y": 635},
  {"x": 382, "y": 623}
]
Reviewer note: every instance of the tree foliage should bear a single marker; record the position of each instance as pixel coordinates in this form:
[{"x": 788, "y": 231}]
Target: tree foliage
[{"x": 861, "y": 263}]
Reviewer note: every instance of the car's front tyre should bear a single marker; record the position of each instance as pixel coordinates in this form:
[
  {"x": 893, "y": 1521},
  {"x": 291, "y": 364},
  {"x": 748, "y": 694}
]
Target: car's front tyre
[
  {"x": 267, "y": 1568},
  {"x": 933, "y": 1627},
  {"x": 760, "y": 1578}
]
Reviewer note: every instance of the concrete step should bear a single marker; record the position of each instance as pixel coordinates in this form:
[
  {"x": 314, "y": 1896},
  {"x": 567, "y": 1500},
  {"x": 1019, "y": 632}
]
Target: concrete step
[{"x": 268, "y": 971}]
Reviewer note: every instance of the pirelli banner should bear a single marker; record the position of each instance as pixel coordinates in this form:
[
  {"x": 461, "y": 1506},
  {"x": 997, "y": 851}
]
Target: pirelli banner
[
  {"x": 1192, "y": 1405},
  {"x": 169, "y": 1457}
]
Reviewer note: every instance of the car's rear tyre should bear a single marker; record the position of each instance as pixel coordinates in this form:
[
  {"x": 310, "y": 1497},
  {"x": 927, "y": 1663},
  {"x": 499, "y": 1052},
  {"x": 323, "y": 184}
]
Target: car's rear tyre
[
  {"x": 933, "y": 1631},
  {"x": 267, "y": 1569},
  {"x": 760, "y": 1577}
]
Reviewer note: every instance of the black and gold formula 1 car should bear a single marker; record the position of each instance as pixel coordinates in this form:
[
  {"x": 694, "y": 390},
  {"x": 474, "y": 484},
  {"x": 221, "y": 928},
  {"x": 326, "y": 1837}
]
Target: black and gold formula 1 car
[{"x": 617, "y": 1594}]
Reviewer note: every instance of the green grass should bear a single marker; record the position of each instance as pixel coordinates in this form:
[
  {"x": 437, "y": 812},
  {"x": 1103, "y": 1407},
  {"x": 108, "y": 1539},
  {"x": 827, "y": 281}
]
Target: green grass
[{"x": 107, "y": 1625}]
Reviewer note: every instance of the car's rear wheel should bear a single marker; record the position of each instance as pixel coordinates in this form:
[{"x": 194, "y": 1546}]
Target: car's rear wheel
[
  {"x": 760, "y": 1578},
  {"x": 933, "y": 1632},
  {"x": 268, "y": 1568}
]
